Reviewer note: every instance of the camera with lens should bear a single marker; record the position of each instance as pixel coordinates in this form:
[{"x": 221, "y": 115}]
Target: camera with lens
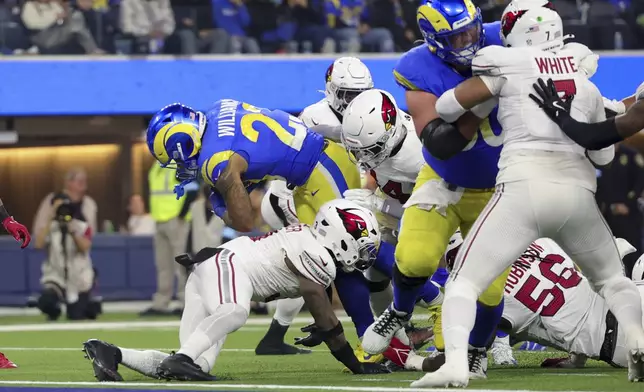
[{"x": 65, "y": 211}]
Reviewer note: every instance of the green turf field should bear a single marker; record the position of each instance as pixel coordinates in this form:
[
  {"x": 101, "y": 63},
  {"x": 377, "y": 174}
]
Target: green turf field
[{"x": 49, "y": 354}]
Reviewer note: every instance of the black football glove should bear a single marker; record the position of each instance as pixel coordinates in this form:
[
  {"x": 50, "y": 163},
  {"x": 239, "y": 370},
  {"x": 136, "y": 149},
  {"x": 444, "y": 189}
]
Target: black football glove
[
  {"x": 556, "y": 108},
  {"x": 373, "y": 368},
  {"x": 314, "y": 337}
]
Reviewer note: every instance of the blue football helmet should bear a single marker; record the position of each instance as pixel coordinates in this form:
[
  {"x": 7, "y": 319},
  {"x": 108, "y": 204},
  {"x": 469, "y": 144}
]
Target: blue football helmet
[
  {"x": 174, "y": 136},
  {"x": 453, "y": 29}
]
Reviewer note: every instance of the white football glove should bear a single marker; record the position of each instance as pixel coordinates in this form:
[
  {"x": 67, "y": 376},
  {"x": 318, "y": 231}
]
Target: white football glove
[
  {"x": 639, "y": 94},
  {"x": 365, "y": 198},
  {"x": 586, "y": 59}
]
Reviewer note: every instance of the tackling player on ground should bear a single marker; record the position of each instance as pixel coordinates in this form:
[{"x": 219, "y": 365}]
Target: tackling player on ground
[
  {"x": 545, "y": 186},
  {"x": 297, "y": 260}
]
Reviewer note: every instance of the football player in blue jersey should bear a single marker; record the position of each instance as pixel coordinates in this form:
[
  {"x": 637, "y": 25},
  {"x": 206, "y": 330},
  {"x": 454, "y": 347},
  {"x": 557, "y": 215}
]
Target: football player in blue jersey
[
  {"x": 235, "y": 146},
  {"x": 459, "y": 176}
]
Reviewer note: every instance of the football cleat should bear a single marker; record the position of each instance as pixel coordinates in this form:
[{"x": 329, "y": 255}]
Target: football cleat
[
  {"x": 477, "y": 361},
  {"x": 5, "y": 363},
  {"x": 531, "y": 346},
  {"x": 105, "y": 359},
  {"x": 502, "y": 352},
  {"x": 182, "y": 368},
  {"x": 447, "y": 376},
  {"x": 379, "y": 334}
]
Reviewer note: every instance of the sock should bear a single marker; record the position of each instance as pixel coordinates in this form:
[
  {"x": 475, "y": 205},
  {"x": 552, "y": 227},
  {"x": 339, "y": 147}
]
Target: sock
[
  {"x": 487, "y": 320},
  {"x": 430, "y": 294},
  {"x": 459, "y": 314},
  {"x": 406, "y": 291},
  {"x": 623, "y": 300},
  {"x": 353, "y": 291},
  {"x": 142, "y": 361},
  {"x": 502, "y": 335},
  {"x": 380, "y": 300},
  {"x": 287, "y": 309},
  {"x": 502, "y": 338},
  {"x": 385, "y": 259},
  {"x": 227, "y": 318},
  {"x": 207, "y": 360},
  {"x": 440, "y": 276}
]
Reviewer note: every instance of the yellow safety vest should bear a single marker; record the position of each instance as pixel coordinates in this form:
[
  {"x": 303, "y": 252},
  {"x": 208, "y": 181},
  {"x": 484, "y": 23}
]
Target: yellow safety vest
[{"x": 164, "y": 205}]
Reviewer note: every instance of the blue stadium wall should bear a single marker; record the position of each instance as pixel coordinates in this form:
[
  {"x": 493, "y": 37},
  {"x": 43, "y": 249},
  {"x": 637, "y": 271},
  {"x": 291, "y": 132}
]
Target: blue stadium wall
[{"x": 122, "y": 86}]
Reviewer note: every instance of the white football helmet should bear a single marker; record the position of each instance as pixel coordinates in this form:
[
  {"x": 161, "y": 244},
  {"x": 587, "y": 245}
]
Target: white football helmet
[
  {"x": 638, "y": 270},
  {"x": 372, "y": 127},
  {"x": 345, "y": 79},
  {"x": 349, "y": 232},
  {"x": 532, "y": 23}
]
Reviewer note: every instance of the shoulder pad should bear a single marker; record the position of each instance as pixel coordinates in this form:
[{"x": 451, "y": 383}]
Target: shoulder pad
[{"x": 314, "y": 263}]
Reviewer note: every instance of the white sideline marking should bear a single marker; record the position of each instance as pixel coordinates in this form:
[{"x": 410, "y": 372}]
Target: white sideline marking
[{"x": 247, "y": 386}]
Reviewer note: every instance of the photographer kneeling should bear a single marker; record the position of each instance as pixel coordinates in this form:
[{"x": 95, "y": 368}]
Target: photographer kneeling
[{"x": 67, "y": 274}]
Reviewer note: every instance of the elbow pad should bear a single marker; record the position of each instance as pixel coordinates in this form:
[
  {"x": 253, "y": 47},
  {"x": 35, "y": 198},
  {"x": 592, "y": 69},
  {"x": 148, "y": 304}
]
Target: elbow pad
[{"x": 443, "y": 140}]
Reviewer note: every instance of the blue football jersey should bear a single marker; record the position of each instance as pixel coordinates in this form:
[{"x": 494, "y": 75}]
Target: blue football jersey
[
  {"x": 477, "y": 166},
  {"x": 274, "y": 143}
]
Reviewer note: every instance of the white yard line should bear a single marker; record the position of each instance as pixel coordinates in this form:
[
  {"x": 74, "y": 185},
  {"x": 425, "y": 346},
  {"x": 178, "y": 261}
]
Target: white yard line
[{"x": 246, "y": 386}]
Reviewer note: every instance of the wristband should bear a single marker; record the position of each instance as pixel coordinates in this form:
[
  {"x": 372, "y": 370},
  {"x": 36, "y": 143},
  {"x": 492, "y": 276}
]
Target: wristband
[
  {"x": 331, "y": 333},
  {"x": 348, "y": 358},
  {"x": 3, "y": 213}
]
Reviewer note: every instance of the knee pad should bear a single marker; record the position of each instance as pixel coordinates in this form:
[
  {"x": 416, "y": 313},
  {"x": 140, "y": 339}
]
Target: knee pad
[
  {"x": 235, "y": 315},
  {"x": 377, "y": 287},
  {"x": 402, "y": 280},
  {"x": 49, "y": 303}
]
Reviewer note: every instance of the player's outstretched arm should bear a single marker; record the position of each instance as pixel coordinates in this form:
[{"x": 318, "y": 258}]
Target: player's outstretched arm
[
  {"x": 327, "y": 326},
  {"x": 590, "y": 136},
  {"x": 232, "y": 189}
]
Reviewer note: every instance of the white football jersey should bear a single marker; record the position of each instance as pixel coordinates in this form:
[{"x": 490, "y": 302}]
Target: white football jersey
[
  {"x": 320, "y": 113},
  {"x": 549, "y": 301},
  {"x": 510, "y": 73},
  {"x": 262, "y": 258}
]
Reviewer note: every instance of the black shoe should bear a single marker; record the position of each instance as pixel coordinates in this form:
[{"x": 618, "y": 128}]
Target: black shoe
[
  {"x": 105, "y": 359},
  {"x": 155, "y": 312},
  {"x": 273, "y": 342},
  {"x": 181, "y": 368}
]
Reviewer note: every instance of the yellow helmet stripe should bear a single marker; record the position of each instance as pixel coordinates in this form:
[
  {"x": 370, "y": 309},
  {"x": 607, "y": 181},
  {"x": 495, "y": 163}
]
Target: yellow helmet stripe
[
  {"x": 435, "y": 18},
  {"x": 168, "y": 130},
  {"x": 210, "y": 165}
]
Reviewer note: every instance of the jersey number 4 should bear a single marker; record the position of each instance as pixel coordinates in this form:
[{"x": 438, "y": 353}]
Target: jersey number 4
[{"x": 527, "y": 292}]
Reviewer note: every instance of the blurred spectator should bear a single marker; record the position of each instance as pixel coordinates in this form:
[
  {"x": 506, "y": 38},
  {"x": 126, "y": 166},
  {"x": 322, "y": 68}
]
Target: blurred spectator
[
  {"x": 233, "y": 17},
  {"x": 75, "y": 187},
  {"x": 272, "y": 24},
  {"x": 618, "y": 188},
  {"x": 139, "y": 222},
  {"x": 206, "y": 229},
  {"x": 312, "y": 33},
  {"x": 148, "y": 22},
  {"x": 196, "y": 29},
  {"x": 387, "y": 17},
  {"x": 99, "y": 22},
  {"x": 344, "y": 17},
  {"x": 55, "y": 27},
  {"x": 171, "y": 216},
  {"x": 67, "y": 274}
]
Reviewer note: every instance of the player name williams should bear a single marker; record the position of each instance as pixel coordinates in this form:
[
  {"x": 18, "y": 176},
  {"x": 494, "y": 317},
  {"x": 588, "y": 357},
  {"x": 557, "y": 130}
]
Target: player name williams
[{"x": 226, "y": 118}]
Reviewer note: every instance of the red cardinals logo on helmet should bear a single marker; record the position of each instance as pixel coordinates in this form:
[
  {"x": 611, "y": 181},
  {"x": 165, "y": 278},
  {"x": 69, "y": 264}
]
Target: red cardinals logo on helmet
[
  {"x": 353, "y": 223},
  {"x": 509, "y": 20},
  {"x": 329, "y": 71},
  {"x": 388, "y": 111}
]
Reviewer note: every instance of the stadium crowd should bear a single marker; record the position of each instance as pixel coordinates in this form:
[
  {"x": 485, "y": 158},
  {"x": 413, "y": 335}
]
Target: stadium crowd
[{"x": 268, "y": 26}]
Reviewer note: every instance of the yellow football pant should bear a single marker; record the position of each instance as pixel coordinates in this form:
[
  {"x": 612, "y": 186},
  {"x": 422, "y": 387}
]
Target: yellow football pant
[
  {"x": 334, "y": 174},
  {"x": 424, "y": 236}
]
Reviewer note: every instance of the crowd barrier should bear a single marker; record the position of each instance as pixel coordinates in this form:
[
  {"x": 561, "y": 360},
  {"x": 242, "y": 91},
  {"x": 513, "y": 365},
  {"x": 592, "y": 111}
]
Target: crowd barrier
[
  {"x": 125, "y": 268},
  {"x": 43, "y": 86}
]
